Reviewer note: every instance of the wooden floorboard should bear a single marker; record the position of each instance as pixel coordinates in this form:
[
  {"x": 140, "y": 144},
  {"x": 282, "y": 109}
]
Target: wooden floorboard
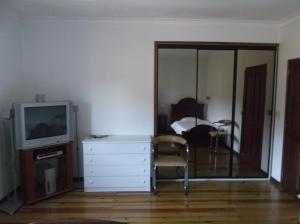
[
  {"x": 208, "y": 202},
  {"x": 207, "y": 163}
]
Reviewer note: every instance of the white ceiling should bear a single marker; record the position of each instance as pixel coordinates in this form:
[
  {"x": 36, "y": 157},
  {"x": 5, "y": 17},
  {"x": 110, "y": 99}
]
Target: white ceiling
[{"x": 257, "y": 10}]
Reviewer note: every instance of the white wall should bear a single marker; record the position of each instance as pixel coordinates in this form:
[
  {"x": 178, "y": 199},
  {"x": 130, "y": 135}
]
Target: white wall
[
  {"x": 10, "y": 82},
  {"x": 10, "y": 57},
  {"x": 289, "y": 49},
  {"x": 107, "y": 67}
]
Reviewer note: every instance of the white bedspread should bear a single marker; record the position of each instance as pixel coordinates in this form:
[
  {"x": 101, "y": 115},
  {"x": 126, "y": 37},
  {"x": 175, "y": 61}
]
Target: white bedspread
[{"x": 187, "y": 123}]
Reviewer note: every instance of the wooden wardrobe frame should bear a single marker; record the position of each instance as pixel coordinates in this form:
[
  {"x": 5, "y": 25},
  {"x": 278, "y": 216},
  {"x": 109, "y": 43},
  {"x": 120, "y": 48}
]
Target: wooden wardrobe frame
[{"x": 220, "y": 46}]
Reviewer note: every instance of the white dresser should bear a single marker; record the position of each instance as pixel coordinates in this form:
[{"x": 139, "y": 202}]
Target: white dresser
[{"x": 117, "y": 163}]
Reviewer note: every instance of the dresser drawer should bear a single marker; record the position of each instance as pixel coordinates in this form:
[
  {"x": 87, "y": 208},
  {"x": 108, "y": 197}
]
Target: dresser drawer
[
  {"x": 113, "y": 171},
  {"x": 116, "y": 160},
  {"x": 107, "y": 148},
  {"x": 98, "y": 182}
]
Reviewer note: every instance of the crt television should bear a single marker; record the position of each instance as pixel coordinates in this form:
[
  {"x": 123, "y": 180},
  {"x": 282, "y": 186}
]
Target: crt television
[{"x": 42, "y": 124}]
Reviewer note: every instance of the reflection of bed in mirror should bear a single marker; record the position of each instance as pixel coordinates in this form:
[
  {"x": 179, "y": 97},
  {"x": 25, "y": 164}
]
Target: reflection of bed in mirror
[{"x": 183, "y": 114}]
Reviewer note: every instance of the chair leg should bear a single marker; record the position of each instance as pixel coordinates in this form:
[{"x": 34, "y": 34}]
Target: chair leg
[
  {"x": 178, "y": 172},
  {"x": 154, "y": 180},
  {"x": 217, "y": 143},
  {"x": 186, "y": 179}
]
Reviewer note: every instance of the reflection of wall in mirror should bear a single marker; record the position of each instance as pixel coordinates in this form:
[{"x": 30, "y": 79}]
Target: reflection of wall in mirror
[
  {"x": 219, "y": 87},
  {"x": 176, "y": 77}
]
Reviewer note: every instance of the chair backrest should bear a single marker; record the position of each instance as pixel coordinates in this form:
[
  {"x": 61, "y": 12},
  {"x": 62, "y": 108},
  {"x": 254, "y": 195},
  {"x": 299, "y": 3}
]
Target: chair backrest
[
  {"x": 225, "y": 122},
  {"x": 169, "y": 139}
]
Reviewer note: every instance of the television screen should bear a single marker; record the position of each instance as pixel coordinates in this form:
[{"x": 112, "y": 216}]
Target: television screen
[{"x": 45, "y": 121}]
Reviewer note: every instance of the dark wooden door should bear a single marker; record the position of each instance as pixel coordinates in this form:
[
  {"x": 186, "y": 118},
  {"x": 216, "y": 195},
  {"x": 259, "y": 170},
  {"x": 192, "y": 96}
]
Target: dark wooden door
[
  {"x": 291, "y": 153},
  {"x": 253, "y": 115}
]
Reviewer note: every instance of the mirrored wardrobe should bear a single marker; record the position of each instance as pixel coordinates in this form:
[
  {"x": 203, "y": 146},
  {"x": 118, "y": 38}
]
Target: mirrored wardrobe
[{"x": 220, "y": 98}]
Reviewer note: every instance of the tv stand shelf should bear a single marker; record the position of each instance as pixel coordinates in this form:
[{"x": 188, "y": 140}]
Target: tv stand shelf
[{"x": 47, "y": 177}]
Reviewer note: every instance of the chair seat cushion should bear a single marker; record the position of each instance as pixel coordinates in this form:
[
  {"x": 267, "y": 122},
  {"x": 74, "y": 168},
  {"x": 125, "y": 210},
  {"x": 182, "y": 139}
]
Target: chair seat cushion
[
  {"x": 169, "y": 160},
  {"x": 167, "y": 149}
]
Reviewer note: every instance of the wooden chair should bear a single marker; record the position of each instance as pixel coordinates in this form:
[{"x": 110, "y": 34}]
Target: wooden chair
[
  {"x": 170, "y": 159},
  {"x": 216, "y": 134}
]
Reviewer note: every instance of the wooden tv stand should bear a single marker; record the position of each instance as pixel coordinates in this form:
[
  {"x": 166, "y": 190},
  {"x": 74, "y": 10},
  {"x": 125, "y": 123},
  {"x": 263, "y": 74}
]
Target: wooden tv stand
[{"x": 35, "y": 161}]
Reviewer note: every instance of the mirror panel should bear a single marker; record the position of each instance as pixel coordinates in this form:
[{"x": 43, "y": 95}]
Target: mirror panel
[
  {"x": 254, "y": 94},
  {"x": 176, "y": 81},
  {"x": 215, "y": 85}
]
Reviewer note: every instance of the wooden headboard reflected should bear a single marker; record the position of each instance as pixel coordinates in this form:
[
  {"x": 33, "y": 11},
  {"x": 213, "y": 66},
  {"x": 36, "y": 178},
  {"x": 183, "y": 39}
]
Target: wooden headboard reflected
[{"x": 187, "y": 107}]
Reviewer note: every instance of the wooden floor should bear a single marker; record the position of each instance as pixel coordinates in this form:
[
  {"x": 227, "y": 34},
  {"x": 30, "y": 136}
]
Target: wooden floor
[
  {"x": 204, "y": 163},
  {"x": 208, "y": 202}
]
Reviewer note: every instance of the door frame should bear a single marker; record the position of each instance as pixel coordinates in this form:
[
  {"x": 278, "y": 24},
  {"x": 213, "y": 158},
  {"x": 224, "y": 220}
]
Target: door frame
[{"x": 235, "y": 46}]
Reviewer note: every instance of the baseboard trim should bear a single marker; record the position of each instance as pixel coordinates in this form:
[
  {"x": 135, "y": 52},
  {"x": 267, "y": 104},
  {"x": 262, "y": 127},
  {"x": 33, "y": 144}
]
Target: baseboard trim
[
  {"x": 78, "y": 179},
  {"x": 236, "y": 153},
  {"x": 275, "y": 182},
  {"x": 11, "y": 193}
]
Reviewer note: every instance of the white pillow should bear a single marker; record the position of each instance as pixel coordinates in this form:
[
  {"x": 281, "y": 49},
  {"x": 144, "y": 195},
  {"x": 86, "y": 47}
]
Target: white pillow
[{"x": 191, "y": 119}]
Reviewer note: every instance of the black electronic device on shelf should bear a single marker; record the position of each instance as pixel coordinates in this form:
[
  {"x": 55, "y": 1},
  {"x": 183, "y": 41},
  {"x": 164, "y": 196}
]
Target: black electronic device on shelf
[{"x": 46, "y": 171}]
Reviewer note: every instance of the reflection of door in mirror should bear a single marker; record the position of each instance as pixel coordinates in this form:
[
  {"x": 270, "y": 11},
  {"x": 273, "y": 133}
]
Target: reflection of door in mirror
[
  {"x": 253, "y": 115},
  {"x": 254, "y": 93}
]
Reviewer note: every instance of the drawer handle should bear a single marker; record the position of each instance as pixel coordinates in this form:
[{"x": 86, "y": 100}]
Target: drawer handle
[
  {"x": 145, "y": 148},
  {"x": 144, "y": 170},
  {"x": 91, "y": 148},
  {"x": 91, "y": 182},
  {"x": 91, "y": 160},
  {"x": 92, "y": 171},
  {"x": 144, "y": 159},
  {"x": 144, "y": 181}
]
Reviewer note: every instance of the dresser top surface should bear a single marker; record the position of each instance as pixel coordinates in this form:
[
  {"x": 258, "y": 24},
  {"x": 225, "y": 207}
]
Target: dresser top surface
[{"x": 118, "y": 139}]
